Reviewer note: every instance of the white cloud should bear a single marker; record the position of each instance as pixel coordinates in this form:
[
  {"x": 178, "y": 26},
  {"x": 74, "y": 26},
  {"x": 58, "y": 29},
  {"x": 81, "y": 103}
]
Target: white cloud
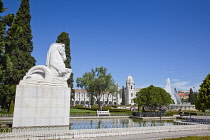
[
  {"x": 184, "y": 85},
  {"x": 175, "y": 83},
  {"x": 175, "y": 80},
  {"x": 180, "y": 83}
]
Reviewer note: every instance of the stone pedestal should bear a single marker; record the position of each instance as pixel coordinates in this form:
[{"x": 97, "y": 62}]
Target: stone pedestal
[{"x": 41, "y": 105}]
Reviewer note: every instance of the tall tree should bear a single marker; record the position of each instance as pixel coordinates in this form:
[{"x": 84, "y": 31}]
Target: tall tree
[
  {"x": 192, "y": 97},
  {"x": 123, "y": 95},
  {"x": 64, "y": 38},
  {"x": 203, "y": 97},
  {"x": 153, "y": 97},
  {"x": 96, "y": 82},
  {"x": 2, "y": 43},
  {"x": 18, "y": 47},
  {"x": 5, "y": 61},
  {"x": 4, "y": 21}
]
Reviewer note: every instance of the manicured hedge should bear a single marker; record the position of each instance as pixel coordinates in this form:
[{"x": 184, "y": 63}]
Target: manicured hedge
[
  {"x": 190, "y": 113},
  {"x": 119, "y": 110},
  {"x": 104, "y": 109}
]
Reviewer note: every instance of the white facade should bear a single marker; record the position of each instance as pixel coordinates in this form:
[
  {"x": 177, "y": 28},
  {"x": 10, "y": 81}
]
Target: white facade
[{"x": 82, "y": 97}]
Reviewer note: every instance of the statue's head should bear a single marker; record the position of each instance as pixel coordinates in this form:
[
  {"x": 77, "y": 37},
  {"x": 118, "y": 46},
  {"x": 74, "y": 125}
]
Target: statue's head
[{"x": 56, "y": 48}]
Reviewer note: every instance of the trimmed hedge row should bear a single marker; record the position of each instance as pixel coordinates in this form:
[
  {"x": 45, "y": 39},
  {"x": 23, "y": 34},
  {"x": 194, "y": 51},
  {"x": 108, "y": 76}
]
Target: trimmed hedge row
[{"x": 104, "y": 109}]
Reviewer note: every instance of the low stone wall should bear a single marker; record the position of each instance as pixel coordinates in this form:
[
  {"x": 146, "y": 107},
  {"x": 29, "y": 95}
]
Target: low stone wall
[{"x": 183, "y": 107}]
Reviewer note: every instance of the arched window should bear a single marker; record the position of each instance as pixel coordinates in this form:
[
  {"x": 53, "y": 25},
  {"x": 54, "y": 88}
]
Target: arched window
[
  {"x": 131, "y": 94},
  {"x": 131, "y": 87}
]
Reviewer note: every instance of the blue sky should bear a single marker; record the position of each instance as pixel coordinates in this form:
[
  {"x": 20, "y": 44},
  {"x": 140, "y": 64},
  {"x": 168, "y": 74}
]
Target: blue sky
[{"x": 151, "y": 40}]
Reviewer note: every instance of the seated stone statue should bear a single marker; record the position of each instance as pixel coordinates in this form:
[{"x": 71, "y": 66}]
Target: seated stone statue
[{"x": 55, "y": 66}]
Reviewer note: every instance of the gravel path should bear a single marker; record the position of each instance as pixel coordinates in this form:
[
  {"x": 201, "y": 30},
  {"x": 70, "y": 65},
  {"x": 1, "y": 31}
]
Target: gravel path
[{"x": 153, "y": 136}]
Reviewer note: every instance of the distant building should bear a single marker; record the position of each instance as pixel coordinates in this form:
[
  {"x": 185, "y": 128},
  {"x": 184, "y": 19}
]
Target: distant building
[
  {"x": 83, "y": 97},
  {"x": 184, "y": 94},
  {"x": 184, "y": 91},
  {"x": 130, "y": 92}
]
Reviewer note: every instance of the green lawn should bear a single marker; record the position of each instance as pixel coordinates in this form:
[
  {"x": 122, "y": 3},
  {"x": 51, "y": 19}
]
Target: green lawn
[
  {"x": 190, "y": 138},
  {"x": 74, "y": 110}
]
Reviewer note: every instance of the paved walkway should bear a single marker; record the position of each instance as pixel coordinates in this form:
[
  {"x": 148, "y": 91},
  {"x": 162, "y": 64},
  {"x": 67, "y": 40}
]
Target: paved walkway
[
  {"x": 103, "y": 117},
  {"x": 153, "y": 136}
]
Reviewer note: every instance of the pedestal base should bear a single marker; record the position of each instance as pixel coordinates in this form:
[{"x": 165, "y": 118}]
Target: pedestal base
[{"x": 41, "y": 105}]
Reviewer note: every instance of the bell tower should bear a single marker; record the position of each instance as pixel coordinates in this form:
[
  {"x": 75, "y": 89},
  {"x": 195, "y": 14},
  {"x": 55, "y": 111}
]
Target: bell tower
[
  {"x": 129, "y": 91},
  {"x": 129, "y": 82}
]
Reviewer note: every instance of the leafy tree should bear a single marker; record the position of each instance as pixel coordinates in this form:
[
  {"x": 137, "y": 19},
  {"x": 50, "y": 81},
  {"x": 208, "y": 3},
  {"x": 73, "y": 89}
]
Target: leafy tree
[
  {"x": 184, "y": 100},
  {"x": 96, "y": 82},
  {"x": 91, "y": 99},
  {"x": 18, "y": 48},
  {"x": 112, "y": 89},
  {"x": 138, "y": 102},
  {"x": 123, "y": 95},
  {"x": 64, "y": 38},
  {"x": 203, "y": 98},
  {"x": 192, "y": 97},
  {"x": 153, "y": 97}
]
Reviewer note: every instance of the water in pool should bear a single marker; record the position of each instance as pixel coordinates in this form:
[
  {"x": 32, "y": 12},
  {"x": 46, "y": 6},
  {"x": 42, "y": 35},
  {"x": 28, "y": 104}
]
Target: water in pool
[{"x": 119, "y": 123}]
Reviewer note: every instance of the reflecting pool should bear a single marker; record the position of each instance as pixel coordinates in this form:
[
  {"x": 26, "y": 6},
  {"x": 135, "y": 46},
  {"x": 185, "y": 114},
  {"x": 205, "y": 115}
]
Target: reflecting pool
[
  {"x": 99, "y": 123},
  {"x": 116, "y": 123}
]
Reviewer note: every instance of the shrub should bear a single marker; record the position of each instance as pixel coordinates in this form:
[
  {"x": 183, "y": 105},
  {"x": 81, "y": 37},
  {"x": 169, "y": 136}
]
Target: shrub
[
  {"x": 11, "y": 108},
  {"x": 136, "y": 113},
  {"x": 79, "y": 106},
  {"x": 118, "y": 110},
  {"x": 190, "y": 113},
  {"x": 107, "y": 107},
  {"x": 169, "y": 113}
]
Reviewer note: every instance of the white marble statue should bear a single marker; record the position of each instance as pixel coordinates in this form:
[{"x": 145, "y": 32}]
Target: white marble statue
[
  {"x": 55, "y": 61},
  {"x": 54, "y": 70},
  {"x": 43, "y": 97}
]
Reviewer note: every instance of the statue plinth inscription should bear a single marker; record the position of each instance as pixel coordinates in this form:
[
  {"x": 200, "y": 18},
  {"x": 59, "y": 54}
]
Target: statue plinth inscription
[{"x": 43, "y": 97}]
